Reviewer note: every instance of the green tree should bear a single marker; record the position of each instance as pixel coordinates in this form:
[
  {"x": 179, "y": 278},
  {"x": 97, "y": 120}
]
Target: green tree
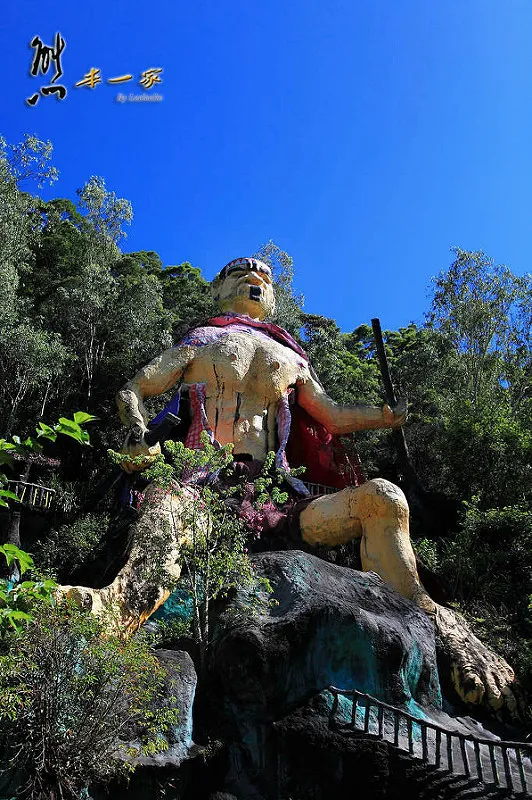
[
  {"x": 347, "y": 371},
  {"x": 105, "y": 214},
  {"x": 473, "y": 306},
  {"x": 488, "y": 565},
  {"x": 72, "y": 699},
  {"x": 29, "y": 357},
  {"x": 288, "y": 303},
  {"x": 186, "y": 296},
  {"x": 19, "y": 598},
  {"x": 26, "y": 162},
  {"x": 30, "y": 360}
]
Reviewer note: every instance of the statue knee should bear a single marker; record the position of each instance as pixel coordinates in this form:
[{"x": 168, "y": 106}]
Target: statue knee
[{"x": 384, "y": 500}]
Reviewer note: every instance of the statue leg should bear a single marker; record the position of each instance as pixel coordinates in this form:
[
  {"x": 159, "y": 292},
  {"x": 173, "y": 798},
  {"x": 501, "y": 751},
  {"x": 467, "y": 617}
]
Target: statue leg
[
  {"x": 153, "y": 564},
  {"x": 377, "y": 512}
]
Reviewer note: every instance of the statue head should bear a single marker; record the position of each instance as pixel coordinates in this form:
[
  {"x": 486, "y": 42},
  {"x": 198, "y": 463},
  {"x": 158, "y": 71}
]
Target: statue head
[{"x": 245, "y": 286}]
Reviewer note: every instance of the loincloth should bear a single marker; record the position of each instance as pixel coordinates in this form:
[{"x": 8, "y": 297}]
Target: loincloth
[{"x": 271, "y": 526}]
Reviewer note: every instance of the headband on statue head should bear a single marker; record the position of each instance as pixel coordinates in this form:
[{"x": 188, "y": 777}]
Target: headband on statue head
[{"x": 244, "y": 263}]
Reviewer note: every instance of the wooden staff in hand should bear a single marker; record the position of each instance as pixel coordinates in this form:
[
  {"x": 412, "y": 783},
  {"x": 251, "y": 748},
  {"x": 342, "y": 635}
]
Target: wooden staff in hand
[{"x": 405, "y": 463}]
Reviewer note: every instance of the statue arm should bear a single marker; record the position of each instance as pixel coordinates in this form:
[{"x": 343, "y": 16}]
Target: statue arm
[
  {"x": 346, "y": 419},
  {"x": 155, "y": 378}
]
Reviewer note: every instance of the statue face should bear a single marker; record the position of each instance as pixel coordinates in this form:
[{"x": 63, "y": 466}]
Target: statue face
[{"x": 245, "y": 287}]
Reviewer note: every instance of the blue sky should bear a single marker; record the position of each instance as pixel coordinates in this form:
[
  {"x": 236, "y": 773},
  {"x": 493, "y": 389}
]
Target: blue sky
[{"x": 365, "y": 138}]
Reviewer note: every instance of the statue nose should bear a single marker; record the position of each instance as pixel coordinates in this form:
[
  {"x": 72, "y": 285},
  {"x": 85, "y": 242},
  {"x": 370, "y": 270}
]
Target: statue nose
[{"x": 253, "y": 276}]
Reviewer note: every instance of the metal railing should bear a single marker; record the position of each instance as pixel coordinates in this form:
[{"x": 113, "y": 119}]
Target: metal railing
[
  {"x": 319, "y": 488},
  {"x": 503, "y": 764},
  {"x": 32, "y": 494}
]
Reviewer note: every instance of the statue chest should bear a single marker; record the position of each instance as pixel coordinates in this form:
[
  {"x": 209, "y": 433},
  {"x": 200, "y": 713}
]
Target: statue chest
[{"x": 246, "y": 363}]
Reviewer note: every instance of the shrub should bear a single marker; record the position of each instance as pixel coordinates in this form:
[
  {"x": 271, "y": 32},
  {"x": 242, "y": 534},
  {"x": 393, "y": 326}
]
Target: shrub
[
  {"x": 488, "y": 566},
  {"x": 72, "y": 699},
  {"x": 67, "y": 548},
  {"x": 491, "y": 556}
]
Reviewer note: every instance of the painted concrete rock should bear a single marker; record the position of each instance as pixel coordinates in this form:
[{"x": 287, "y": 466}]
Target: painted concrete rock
[{"x": 323, "y": 625}]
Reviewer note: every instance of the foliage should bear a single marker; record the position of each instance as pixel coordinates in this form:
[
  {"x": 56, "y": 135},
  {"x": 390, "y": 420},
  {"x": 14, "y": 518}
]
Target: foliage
[
  {"x": 261, "y": 495},
  {"x": 186, "y": 296},
  {"x": 33, "y": 359},
  {"x": 214, "y": 553},
  {"x": 491, "y": 555},
  {"x": 68, "y": 494},
  {"x": 185, "y": 463},
  {"x": 73, "y": 428},
  {"x": 266, "y": 488},
  {"x": 168, "y": 632},
  {"x": 105, "y": 210},
  {"x": 68, "y": 547},
  {"x": 18, "y": 599},
  {"x": 74, "y": 698},
  {"x": 481, "y": 307},
  {"x": 496, "y": 454},
  {"x": 487, "y": 566},
  {"x": 427, "y": 551},
  {"x": 288, "y": 304},
  {"x": 30, "y": 160}
]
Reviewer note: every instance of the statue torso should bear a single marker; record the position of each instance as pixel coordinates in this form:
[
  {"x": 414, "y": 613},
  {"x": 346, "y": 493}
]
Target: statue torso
[{"x": 245, "y": 375}]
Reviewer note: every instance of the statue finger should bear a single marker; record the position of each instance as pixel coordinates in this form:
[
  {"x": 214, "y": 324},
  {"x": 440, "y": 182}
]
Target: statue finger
[
  {"x": 468, "y": 684},
  {"x": 494, "y": 696},
  {"x": 510, "y": 700}
]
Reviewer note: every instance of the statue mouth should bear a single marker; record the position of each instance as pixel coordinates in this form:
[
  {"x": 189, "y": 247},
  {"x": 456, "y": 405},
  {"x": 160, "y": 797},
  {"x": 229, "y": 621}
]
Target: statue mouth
[{"x": 255, "y": 292}]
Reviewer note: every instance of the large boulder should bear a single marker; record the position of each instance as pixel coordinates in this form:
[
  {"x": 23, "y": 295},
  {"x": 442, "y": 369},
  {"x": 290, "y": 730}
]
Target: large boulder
[
  {"x": 182, "y": 680},
  {"x": 322, "y": 625}
]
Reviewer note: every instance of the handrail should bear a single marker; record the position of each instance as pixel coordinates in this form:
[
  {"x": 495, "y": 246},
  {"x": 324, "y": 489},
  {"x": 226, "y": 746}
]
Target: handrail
[
  {"x": 32, "y": 494},
  {"x": 480, "y": 763},
  {"x": 315, "y": 489}
]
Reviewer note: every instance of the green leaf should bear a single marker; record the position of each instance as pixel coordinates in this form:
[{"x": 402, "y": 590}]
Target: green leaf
[
  {"x": 46, "y": 432},
  {"x": 81, "y": 417},
  {"x": 80, "y": 435},
  {"x": 45, "y": 428},
  {"x": 14, "y": 614},
  {"x": 67, "y": 423},
  {"x": 9, "y": 495},
  {"x": 70, "y": 428},
  {"x": 13, "y": 553}
]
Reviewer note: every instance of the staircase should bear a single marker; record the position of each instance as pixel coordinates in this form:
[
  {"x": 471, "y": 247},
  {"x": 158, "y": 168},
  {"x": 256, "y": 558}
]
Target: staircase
[{"x": 449, "y": 764}]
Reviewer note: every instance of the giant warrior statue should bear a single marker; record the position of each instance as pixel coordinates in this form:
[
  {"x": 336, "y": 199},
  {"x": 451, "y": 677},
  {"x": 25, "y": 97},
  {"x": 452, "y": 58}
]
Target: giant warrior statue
[{"x": 240, "y": 371}]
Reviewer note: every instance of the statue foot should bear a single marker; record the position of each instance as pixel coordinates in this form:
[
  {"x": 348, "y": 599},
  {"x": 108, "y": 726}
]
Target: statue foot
[
  {"x": 103, "y": 603},
  {"x": 479, "y": 675}
]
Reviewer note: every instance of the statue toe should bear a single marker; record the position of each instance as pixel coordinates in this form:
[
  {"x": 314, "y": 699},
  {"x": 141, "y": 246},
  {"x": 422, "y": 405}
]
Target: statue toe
[{"x": 479, "y": 675}]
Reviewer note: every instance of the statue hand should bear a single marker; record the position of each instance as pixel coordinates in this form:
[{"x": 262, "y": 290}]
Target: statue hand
[
  {"x": 396, "y": 416},
  {"x": 135, "y": 446}
]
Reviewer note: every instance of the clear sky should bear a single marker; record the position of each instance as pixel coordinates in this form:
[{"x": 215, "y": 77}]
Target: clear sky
[{"x": 364, "y": 137}]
